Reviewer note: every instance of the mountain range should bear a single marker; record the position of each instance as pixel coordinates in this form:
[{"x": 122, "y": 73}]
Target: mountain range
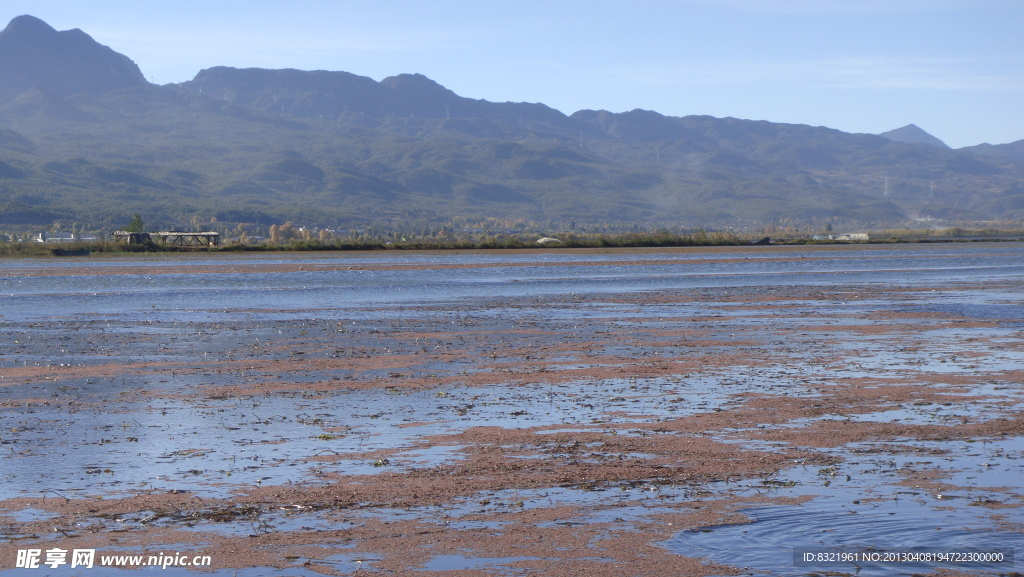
[{"x": 84, "y": 138}]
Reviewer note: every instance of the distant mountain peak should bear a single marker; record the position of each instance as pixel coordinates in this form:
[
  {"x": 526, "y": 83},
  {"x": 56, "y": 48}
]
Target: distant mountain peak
[
  {"x": 35, "y": 55},
  {"x": 913, "y": 134},
  {"x": 26, "y": 24},
  {"x": 417, "y": 83}
]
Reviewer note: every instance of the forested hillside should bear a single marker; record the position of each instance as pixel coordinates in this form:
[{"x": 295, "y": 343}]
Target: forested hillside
[{"x": 332, "y": 149}]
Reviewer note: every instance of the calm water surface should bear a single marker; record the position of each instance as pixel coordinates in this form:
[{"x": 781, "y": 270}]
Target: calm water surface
[{"x": 487, "y": 274}]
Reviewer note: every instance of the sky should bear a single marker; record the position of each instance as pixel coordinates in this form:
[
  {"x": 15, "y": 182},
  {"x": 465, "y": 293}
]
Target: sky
[{"x": 955, "y": 68}]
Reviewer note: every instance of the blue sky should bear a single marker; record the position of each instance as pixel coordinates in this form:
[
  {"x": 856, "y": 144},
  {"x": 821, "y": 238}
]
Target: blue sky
[{"x": 953, "y": 67}]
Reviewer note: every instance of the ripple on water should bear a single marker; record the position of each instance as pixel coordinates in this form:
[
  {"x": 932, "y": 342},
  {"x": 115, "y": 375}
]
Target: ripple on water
[
  {"x": 767, "y": 542},
  {"x": 867, "y": 503}
]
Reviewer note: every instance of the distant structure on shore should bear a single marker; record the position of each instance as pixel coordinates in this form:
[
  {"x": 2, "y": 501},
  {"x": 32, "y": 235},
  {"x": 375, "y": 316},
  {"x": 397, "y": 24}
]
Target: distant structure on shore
[
  {"x": 55, "y": 238},
  {"x": 185, "y": 239},
  {"x": 850, "y": 236}
]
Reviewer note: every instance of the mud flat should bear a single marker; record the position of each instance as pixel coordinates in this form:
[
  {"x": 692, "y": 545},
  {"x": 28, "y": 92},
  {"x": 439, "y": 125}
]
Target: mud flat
[{"x": 662, "y": 412}]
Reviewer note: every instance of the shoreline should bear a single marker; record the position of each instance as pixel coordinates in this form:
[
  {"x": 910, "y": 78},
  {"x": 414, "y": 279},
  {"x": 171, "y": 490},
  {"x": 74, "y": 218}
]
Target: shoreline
[{"x": 76, "y": 250}]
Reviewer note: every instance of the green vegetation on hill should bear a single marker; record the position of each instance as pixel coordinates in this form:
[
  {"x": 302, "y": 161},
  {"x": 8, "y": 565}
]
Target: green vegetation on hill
[{"x": 241, "y": 150}]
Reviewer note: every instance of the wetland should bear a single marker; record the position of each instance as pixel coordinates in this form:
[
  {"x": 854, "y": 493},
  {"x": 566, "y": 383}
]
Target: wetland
[{"x": 671, "y": 411}]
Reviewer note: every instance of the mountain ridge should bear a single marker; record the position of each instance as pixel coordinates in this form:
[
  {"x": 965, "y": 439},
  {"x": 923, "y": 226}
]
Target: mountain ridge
[
  {"x": 334, "y": 149},
  {"x": 35, "y": 55}
]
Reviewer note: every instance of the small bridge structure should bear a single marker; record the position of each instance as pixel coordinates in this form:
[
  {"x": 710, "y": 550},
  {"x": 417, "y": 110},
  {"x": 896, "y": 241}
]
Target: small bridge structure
[
  {"x": 188, "y": 238},
  {"x": 182, "y": 239}
]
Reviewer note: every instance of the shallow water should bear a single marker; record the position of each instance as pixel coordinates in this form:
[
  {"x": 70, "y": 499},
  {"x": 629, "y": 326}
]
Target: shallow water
[
  {"x": 218, "y": 444},
  {"x": 493, "y": 275},
  {"x": 167, "y": 430},
  {"x": 859, "y": 506}
]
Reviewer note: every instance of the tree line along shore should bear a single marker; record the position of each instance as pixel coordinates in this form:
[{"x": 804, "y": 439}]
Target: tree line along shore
[{"x": 397, "y": 241}]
